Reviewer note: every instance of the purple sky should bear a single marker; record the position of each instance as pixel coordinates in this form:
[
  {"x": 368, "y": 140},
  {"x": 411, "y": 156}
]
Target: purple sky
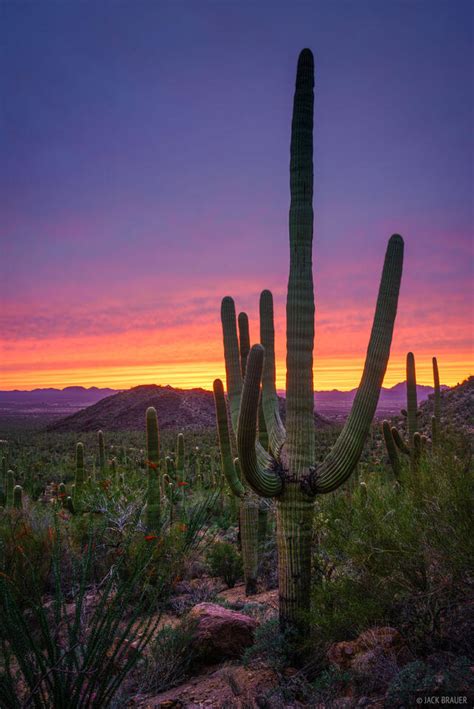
[{"x": 144, "y": 153}]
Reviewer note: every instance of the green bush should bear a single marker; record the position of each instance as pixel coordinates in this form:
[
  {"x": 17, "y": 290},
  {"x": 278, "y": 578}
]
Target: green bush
[
  {"x": 225, "y": 562},
  {"x": 170, "y": 658},
  {"x": 396, "y": 554}
]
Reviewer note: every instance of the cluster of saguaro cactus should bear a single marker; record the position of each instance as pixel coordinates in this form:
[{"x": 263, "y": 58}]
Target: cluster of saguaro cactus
[
  {"x": 288, "y": 472},
  {"x": 415, "y": 442}
]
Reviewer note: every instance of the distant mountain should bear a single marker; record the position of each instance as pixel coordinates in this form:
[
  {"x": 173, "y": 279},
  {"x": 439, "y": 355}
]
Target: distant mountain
[
  {"x": 177, "y": 408},
  {"x": 71, "y": 396},
  {"x": 182, "y": 409},
  {"x": 395, "y": 396}
]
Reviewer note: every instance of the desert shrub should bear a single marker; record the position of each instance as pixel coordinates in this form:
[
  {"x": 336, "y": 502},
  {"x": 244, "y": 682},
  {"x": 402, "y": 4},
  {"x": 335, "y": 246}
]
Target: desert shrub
[
  {"x": 25, "y": 548},
  {"x": 271, "y": 647},
  {"x": 418, "y": 679},
  {"x": 225, "y": 562},
  {"x": 396, "y": 553},
  {"x": 169, "y": 657}
]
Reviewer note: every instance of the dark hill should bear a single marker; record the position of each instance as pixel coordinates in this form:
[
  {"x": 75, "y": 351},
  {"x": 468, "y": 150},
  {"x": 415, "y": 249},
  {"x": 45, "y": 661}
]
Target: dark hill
[
  {"x": 179, "y": 409},
  {"x": 457, "y": 406}
]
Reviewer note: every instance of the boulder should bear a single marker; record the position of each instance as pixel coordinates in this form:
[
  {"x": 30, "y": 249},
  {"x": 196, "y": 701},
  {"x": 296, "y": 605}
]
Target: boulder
[
  {"x": 220, "y": 633},
  {"x": 374, "y": 651}
]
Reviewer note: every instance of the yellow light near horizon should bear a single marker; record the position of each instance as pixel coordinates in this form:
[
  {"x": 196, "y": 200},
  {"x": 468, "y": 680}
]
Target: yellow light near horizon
[{"x": 329, "y": 373}]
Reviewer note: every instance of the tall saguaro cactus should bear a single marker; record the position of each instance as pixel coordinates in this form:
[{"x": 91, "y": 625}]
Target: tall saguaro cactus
[
  {"x": 290, "y": 473},
  {"x": 153, "y": 504}
]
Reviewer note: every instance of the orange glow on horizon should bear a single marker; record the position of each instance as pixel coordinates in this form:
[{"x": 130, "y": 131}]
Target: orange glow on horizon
[{"x": 329, "y": 373}]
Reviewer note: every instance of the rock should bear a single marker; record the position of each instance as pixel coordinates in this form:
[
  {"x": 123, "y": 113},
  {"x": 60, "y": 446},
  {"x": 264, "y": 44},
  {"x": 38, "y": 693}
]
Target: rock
[
  {"x": 220, "y": 633},
  {"x": 374, "y": 650}
]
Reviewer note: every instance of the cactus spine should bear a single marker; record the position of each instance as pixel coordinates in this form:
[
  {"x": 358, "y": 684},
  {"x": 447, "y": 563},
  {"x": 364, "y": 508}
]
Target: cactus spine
[
  {"x": 290, "y": 474},
  {"x": 153, "y": 506}
]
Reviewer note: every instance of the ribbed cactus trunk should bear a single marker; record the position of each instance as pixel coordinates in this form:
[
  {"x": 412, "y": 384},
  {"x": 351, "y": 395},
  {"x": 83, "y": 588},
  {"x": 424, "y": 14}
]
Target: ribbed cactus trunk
[
  {"x": 294, "y": 507},
  {"x": 153, "y": 502},
  {"x": 412, "y": 403},
  {"x": 436, "y": 418}
]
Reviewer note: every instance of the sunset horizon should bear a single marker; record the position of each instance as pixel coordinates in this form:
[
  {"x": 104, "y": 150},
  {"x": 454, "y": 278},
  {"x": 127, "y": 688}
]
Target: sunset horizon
[{"x": 127, "y": 214}]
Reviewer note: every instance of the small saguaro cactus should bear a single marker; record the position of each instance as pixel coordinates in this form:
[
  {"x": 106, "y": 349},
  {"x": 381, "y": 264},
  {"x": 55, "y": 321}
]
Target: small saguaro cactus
[
  {"x": 153, "y": 505},
  {"x": 10, "y": 488},
  {"x": 180, "y": 471},
  {"x": 17, "y": 497},
  {"x": 290, "y": 474},
  {"x": 80, "y": 476},
  {"x": 436, "y": 418},
  {"x": 248, "y": 513},
  {"x": 392, "y": 437},
  {"x": 101, "y": 442}
]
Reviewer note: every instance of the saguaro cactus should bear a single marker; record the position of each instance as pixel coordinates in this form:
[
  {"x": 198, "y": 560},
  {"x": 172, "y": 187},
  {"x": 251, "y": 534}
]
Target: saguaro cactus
[
  {"x": 290, "y": 474},
  {"x": 249, "y": 507},
  {"x": 100, "y": 438},
  {"x": 17, "y": 497},
  {"x": 180, "y": 471},
  {"x": 436, "y": 419},
  {"x": 10, "y": 488},
  {"x": 80, "y": 476},
  {"x": 393, "y": 439},
  {"x": 153, "y": 496}
]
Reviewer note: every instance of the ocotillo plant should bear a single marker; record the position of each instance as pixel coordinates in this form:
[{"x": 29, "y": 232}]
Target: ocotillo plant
[
  {"x": 291, "y": 474},
  {"x": 100, "y": 438},
  {"x": 392, "y": 437},
  {"x": 248, "y": 513},
  {"x": 436, "y": 419},
  {"x": 80, "y": 475},
  {"x": 153, "y": 504}
]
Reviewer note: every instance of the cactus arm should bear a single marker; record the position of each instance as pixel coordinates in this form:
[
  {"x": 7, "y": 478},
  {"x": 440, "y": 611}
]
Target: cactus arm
[
  {"x": 17, "y": 497},
  {"x": 437, "y": 390},
  {"x": 232, "y": 358},
  {"x": 300, "y": 437},
  {"x": 153, "y": 459},
  {"x": 269, "y": 399},
  {"x": 262, "y": 478},
  {"x": 343, "y": 457},
  {"x": 412, "y": 404},
  {"x": 391, "y": 449},
  {"x": 244, "y": 341},
  {"x": 228, "y": 467},
  {"x": 399, "y": 442},
  {"x": 416, "y": 452}
]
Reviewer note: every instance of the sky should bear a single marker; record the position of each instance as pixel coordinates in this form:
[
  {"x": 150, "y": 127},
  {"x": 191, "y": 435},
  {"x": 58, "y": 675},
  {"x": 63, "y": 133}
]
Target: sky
[{"x": 144, "y": 175}]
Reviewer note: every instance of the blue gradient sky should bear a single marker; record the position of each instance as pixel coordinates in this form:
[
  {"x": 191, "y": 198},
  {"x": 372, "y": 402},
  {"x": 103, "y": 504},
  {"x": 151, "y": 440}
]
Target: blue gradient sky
[{"x": 144, "y": 155}]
